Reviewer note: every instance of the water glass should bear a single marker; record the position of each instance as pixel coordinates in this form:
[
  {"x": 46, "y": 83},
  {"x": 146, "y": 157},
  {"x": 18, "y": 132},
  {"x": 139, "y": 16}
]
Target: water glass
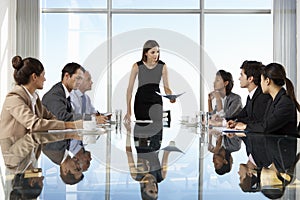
[{"x": 204, "y": 118}]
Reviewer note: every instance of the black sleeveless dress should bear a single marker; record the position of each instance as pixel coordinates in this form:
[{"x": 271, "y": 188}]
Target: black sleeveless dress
[{"x": 148, "y": 104}]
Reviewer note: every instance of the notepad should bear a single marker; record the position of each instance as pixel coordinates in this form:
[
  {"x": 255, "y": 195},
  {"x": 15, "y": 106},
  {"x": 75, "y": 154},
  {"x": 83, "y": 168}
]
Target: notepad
[
  {"x": 170, "y": 96},
  {"x": 143, "y": 121},
  {"x": 228, "y": 130}
]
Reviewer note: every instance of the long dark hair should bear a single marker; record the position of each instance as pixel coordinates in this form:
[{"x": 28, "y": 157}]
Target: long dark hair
[
  {"x": 147, "y": 46},
  {"x": 24, "y": 68},
  {"x": 276, "y": 73},
  {"x": 226, "y": 76}
]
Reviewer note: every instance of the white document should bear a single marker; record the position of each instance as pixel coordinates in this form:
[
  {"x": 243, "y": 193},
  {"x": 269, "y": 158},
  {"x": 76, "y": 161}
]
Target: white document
[
  {"x": 143, "y": 121},
  {"x": 170, "y": 96}
]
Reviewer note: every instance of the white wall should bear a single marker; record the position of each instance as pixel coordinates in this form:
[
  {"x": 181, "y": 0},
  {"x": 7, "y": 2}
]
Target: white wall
[{"x": 7, "y": 45}]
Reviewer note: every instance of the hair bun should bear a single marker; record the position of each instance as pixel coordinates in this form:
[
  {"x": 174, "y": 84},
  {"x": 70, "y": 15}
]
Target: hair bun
[{"x": 17, "y": 62}]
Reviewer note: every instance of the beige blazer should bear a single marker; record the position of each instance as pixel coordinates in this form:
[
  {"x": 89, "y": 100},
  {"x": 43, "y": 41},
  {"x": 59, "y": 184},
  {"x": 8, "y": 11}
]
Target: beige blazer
[{"x": 18, "y": 120}]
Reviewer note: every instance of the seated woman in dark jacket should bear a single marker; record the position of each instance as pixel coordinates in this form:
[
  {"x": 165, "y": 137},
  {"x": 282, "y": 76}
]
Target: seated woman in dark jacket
[{"x": 281, "y": 115}]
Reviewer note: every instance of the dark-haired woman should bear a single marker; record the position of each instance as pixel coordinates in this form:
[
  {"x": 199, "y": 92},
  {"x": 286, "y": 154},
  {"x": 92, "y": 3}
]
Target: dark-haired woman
[
  {"x": 23, "y": 113},
  {"x": 150, "y": 71},
  {"x": 222, "y": 102},
  {"x": 281, "y": 114}
]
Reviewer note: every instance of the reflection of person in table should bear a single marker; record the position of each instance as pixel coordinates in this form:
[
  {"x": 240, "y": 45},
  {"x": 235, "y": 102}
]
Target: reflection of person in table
[
  {"x": 222, "y": 158},
  {"x": 23, "y": 114},
  {"x": 72, "y": 158},
  {"x": 258, "y": 157},
  {"x": 275, "y": 158},
  {"x": 27, "y": 185},
  {"x": 150, "y": 70},
  {"x": 282, "y": 172},
  {"x": 147, "y": 169}
]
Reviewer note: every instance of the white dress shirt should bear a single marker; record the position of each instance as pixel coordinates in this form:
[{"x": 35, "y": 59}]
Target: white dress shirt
[{"x": 76, "y": 101}]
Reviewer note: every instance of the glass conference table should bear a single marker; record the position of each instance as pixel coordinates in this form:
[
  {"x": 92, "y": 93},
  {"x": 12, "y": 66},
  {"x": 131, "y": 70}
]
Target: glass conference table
[{"x": 118, "y": 165}]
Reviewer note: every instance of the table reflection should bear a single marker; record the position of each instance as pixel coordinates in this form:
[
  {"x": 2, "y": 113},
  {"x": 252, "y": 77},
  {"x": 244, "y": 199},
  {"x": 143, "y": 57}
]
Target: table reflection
[{"x": 177, "y": 162}]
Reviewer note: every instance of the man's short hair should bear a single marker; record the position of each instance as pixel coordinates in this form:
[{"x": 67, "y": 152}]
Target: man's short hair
[
  {"x": 71, "y": 69},
  {"x": 69, "y": 178},
  {"x": 252, "y": 68}
]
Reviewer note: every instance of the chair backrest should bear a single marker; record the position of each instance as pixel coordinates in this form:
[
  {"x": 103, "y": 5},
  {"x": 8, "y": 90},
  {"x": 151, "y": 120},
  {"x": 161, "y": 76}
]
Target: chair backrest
[{"x": 167, "y": 118}]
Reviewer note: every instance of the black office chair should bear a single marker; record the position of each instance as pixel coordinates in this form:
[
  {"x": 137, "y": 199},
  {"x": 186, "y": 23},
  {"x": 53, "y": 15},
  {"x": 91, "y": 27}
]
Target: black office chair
[
  {"x": 299, "y": 129},
  {"x": 166, "y": 118}
]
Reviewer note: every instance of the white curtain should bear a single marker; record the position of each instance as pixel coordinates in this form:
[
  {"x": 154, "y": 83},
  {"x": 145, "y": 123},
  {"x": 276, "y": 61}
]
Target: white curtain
[
  {"x": 284, "y": 34},
  {"x": 28, "y": 14},
  {"x": 7, "y": 45}
]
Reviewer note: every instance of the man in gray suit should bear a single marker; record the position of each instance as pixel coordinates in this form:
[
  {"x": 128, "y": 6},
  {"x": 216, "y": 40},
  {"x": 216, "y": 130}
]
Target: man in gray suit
[{"x": 57, "y": 101}]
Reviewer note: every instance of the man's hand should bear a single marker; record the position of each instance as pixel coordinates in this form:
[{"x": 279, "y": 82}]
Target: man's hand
[
  {"x": 101, "y": 119},
  {"x": 231, "y": 124}
]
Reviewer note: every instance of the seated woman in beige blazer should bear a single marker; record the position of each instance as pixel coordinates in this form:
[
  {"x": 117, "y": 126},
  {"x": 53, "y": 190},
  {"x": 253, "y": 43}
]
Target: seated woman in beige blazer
[{"x": 23, "y": 113}]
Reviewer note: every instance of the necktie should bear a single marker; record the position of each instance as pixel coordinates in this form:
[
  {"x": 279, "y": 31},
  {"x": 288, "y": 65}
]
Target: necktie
[
  {"x": 69, "y": 107},
  {"x": 83, "y": 101},
  {"x": 68, "y": 144},
  {"x": 249, "y": 107}
]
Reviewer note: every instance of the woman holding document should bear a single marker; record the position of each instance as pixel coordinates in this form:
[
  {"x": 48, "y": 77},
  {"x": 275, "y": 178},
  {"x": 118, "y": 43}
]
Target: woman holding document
[{"x": 150, "y": 70}]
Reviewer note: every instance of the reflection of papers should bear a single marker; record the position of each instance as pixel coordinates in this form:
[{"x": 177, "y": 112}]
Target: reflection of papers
[
  {"x": 64, "y": 131},
  {"x": 170, "y": 96},
  {"x": 96, "y": 131},
  {"x": 172, "y": 148},
  {"x": 143, "y": 121},
  {"x": 225, "y": 131},
  {"x": 228, "y": 130}
]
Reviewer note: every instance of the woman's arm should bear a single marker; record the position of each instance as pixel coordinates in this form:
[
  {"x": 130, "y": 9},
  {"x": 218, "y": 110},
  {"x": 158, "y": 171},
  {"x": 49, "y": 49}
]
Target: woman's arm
[
  {"x": 233, "y": 107},
  {"x": 134, "y": 72},
  {"x": 166, "y": 82},
  {"x": 219, "y": 104}
]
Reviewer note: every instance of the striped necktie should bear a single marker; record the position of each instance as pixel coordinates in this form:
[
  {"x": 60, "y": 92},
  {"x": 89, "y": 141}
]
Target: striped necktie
[{"x": 83, "y": 101}]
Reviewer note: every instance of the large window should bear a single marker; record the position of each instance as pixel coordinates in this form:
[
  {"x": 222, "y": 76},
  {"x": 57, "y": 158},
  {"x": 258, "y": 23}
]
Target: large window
[
  {"x": 106, "y": 37},
  {"x": 196, "y": 40}
]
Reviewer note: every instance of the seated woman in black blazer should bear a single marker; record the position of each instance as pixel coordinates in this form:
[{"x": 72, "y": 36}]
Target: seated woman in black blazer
[{"x": 281, "y": 115}]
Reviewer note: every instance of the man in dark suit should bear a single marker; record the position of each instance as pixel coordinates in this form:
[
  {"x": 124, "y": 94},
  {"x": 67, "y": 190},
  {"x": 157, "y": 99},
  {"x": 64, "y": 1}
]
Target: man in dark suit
[
  {"x": 57, "y": 101},
  {"x": 256, "y": 104}
]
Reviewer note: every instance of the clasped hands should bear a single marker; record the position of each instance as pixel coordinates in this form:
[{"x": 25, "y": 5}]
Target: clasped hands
[{"x": 236, "y": 125}]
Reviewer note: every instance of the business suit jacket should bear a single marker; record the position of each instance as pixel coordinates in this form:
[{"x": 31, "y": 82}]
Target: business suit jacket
[
  {"x": 280, "y": 117},
  {"x": 232, "y": 144},
  {"x": 56, "y": 151},
  {"x": 232, "y": 105},
  {"x": 18, "y": 121},
  {"x": 56, "y": 102},
  {"x": 254, "y": 109}
]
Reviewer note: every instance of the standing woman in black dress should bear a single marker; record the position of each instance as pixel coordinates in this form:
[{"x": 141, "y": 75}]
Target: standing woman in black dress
[{"x": 150, "y": 71}]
